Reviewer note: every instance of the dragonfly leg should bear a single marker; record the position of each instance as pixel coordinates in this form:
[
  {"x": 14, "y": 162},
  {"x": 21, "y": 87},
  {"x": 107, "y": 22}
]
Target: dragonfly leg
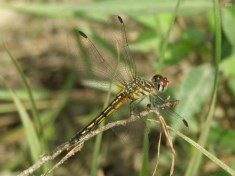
[
  {"x": 167, "y": 103},
  {"x": 164, "y": 100},
  {"x": 149, "y": 106},
  {"x": 134, "y": 103},
  {"x": 162, "y": 103}
]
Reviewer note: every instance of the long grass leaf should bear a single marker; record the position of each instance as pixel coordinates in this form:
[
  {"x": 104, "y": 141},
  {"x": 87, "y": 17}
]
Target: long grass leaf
[
  {"x": 130, "y": 7},
  {"x": 36, "y": 118},
  {"x": 30, "y": 131},
  {"x": 202, "y": 150},
  {"x": 194, "y": 165}
]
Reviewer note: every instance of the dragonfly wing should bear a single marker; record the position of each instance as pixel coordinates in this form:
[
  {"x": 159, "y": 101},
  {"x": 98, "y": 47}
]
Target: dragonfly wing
[
  {"x": 94, "y": 61},
  {"x": 167, "y": 112},
  {"x": 120, "y": 38},
  {"x": 105, "y": 55}
]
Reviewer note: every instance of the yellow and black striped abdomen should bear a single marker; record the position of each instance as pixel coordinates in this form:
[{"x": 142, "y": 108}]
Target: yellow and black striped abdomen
[{"x": 115, "y": 104}]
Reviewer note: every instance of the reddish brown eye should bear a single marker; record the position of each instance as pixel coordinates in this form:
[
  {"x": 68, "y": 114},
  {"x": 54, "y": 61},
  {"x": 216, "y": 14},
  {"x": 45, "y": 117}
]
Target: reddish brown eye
[
  {"x": 160, "y": 82},
  {"x": 165, "y": 82}
]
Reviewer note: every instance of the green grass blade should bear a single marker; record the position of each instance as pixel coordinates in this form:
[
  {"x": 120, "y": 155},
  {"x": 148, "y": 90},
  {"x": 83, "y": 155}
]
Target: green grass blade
[
  {"x": 145, "y": 158},
  {"x": 164, "y": 43},
  {"x": 30, "y": 131},
  {"x": 202, "y": 150},
  {"x": 39, "y": 94},
  {"x": 96, "y": 152},
  {"x": 36, "y": 118},
  {"x": 194, "y": 165},
  {"x": 129, "y": 7}
]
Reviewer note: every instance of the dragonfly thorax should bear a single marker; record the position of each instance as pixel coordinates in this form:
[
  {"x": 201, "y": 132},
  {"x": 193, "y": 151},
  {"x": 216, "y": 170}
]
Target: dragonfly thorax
[
  {"x": 138, "y": 88},
  {"x": 141, "y": 87}
]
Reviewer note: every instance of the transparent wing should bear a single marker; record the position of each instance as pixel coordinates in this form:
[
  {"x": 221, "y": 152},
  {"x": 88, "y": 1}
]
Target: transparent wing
[
  {"x": 96, "y": 64},
  {"x": 109, "y": 58},
  {"x": 159, "y": 101},
  {"x": 120, "y": 37}
]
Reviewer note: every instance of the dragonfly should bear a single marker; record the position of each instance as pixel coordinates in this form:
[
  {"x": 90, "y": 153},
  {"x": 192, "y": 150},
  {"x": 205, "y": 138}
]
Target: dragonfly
[{"x": 133, "y": 89}]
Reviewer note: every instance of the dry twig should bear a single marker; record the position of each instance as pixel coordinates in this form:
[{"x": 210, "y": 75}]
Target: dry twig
[{"x": 76, "y": 147}]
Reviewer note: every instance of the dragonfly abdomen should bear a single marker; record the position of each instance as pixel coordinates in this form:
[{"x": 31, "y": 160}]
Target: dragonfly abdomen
[{"x": 115, "y": 104}]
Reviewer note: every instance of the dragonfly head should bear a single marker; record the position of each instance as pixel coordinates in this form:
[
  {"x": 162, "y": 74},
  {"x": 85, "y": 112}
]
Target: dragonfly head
[{"x": 160, "y": 82}]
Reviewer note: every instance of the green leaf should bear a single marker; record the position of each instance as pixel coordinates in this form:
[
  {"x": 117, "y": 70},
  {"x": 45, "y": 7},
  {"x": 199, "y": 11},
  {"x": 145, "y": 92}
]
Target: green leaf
[
  {"x": 222, "y": 137},
  {"x": 194, "y": 91},
  {"x": 231, "y": 85},
  {"x": 193, "y": 36},
  {"x": 22, "y": 94},
  {"x": 173, "y": 55},
  {"x": 228, "y": 24},
  {"x": 227, "y": 65},
  {"x": 191, "y": 40},
  {"x": 147, "y": 40},
  {"x": 147, "y": 21}
]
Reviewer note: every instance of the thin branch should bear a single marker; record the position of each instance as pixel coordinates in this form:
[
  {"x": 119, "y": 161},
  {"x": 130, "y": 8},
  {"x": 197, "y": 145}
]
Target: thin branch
[
  {"x": 72, "y": 152},
  {"x": 67, "y": 147},
  {"x": 76, "y": 147}
]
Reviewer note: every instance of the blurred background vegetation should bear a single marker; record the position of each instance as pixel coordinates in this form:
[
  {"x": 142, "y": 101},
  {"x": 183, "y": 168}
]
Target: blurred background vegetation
[{"x": 41, "y": 93}]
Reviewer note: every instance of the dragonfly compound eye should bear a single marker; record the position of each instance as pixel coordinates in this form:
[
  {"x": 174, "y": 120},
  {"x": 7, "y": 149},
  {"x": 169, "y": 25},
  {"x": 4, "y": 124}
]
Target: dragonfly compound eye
[{"x": 160, "y": 82}]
